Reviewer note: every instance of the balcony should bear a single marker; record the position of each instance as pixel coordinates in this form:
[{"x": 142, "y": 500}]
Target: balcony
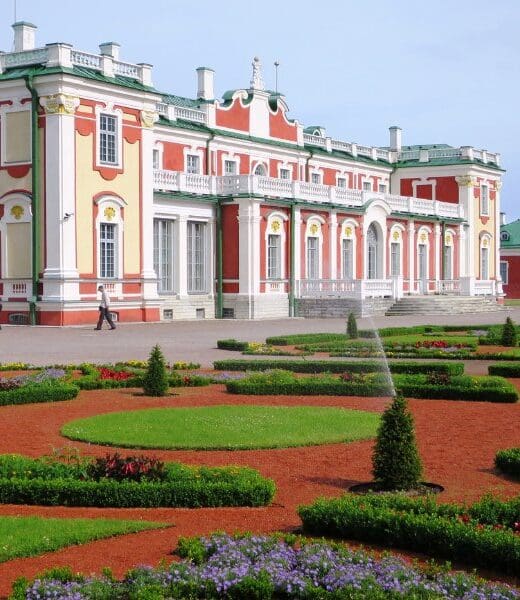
[{"x": 269, "y": 187}]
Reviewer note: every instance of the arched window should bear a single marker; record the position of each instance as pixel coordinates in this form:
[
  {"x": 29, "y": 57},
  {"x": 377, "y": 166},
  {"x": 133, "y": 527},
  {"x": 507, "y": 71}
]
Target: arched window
[
  {"x": 260, "y": 170},
  {"x": 372, "y": 252},
  {"x": 485, "y": 243}
]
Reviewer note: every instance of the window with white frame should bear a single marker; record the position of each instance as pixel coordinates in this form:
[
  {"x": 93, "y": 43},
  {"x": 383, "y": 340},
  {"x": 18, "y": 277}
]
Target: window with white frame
[
  {"x": 156, "y": 158},
  {"x": 285, "y": 173},
  {"x": 192, "y": 163},
  {"x": 260, "y": 170},
  {"x": 484, "y": 200},
  {"x": 107, "y": 250},
  {"x": 313, "y": 258},
  {"x": 163, "y": 254},
  {"x": 367, "y": 186},
  {"x": 196, "y": 256},
  {"x": 395, "y": 259},
  {"x": 108, "y": 139},
  {"x": 382, "y": 188},
  {"x": 504, "y": 271},
  {"x": 315, "y": 177},
  {"x": 341, "y": 182},
  {"x": 230, "y": 167},
  {"x": 347, "y": 249},
  {"x": 448, "y": 262},
  {"x": 274, "y": 256},
  {"x": 484, "y": 262}
]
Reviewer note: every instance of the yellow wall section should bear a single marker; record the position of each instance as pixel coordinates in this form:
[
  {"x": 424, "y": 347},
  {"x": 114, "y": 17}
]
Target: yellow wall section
[
  {"x": 18, "y": 250},
  {"x": 89, "y": 183},
  {"x": 17, "y": 131},
  {"x": 8, "y": 183}
]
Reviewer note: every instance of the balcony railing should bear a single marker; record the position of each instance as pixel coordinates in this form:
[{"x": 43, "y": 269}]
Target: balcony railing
[{"x": 270, "y": 187}]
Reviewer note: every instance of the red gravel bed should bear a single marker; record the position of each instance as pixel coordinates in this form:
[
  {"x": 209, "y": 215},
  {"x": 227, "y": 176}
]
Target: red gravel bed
[{"x": 457, "y": 442}]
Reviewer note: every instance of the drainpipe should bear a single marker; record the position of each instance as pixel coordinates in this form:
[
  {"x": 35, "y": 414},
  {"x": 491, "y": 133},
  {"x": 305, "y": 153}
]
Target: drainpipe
[
  {"x": 35, "y": 185},
  {"x": 292, "y": 279}
]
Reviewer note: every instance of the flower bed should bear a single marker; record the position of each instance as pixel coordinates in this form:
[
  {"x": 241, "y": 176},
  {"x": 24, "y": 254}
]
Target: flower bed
[
  {"x": 508, "y": 461},
  {"x": 461, "y": 387},
  {"x": 45, "y": 386},
  {"x": 267, "y": 567},
  {"x": 337, "y": 366},
  {"x": 485, "y": 534},
  {"x": 78, "y": 483}
]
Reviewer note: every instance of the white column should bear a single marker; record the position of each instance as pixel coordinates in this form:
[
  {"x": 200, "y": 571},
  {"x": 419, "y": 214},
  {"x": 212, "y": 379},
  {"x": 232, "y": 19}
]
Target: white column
[
  {"x": 462, "y": 251},
  {"x": 297, "y": 246},
  {"x": 249, "y": 251},
  {"x": 333, "y": 245},
  {"x": 437, "y": 253},
  {"x": 467, "y": 200},
  {"x": 411, "y": 257},
  {"x": 148, "y": 274},
  {"x": 498, "y": 186},
  {"x": 210, "y": 254},
  {"x": 60, "y": 275},
  {"x": 181, "y": 256}
]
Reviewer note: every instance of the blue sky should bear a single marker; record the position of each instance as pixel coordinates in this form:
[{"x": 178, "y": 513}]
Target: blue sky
[{"x": 446, "y": 71}]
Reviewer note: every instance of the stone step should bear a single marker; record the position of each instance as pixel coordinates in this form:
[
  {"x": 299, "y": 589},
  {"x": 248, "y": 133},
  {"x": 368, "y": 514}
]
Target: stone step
[{"x": 442, "y": 305}]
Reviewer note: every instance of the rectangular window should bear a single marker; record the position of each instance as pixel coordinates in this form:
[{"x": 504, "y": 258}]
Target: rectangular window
[
  {"x": 348, "y": 259},
  {"x": 341, "y": 182},
  {"x": 395, "y": 259},
  {"x": 504, "y": 271},
  {"x": 315, "y": 178},
  {"x": 163, "y": 254},
  {"x": 484, "y": 263},
  {"x": 107, "y": 250},
  {"x": 196, "y": 254},
  {"x": 108, "y": 139},
  {"x": 193, "y": 164},
  {"x": 274, "y": 257},
  {"x": 484, "y": 200},
  {"x": 285, "y": 173},
  {"x": 230, "y": 167},
  {"x": 156, "y": 159},
  {"x": 367, "y": 186},
  {"x": 448, "y": 263},
  {"x": 382, "y": 188},
  {"x": 313, "y": 258}
]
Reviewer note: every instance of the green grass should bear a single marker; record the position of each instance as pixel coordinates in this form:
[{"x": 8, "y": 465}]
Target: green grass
[
  {"x": 30, "y": 536},
  {"x": 225, "y": 427}
]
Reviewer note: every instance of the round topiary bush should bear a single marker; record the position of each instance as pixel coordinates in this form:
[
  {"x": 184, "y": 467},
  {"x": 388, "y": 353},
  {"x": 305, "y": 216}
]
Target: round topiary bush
[
  {"x": 396, "y": 464},
  {"x": 508, "y": 461},
  {"x": 155, "y": 381},
  {"x": 509, "y": 333}
]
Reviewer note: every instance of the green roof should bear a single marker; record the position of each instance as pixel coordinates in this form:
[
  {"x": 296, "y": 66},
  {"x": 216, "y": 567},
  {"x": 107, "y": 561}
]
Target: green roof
[
  {"x": 180, "y": 101},
  {"x": 513, "y": 230},
  {"x": 437, "y": 162}
]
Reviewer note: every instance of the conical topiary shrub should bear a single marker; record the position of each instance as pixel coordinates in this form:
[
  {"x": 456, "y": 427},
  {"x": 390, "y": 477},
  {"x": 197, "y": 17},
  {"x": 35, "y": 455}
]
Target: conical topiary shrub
[
  {"x": 155, "y": 381},
  {"x": 509, "y": 333},
  {"x": 396, "y": 464},
  {"x": 352, "y": 326}
]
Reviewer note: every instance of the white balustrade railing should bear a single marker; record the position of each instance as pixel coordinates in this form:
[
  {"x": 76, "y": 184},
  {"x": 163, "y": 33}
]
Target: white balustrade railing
[
  {"x": 365, "y": 150},
  {"x": 314, "y": 140},
  {"x": 484, "y": 287},
  {"x": 162, "y": 108},
  {"x": 344, "y": 146},
  {"x": 166, "y": 180},
  {"x": 275, "y": 286},
  {"x": 325, "y": 287},
  {"x": 190, "y": 114},
  {"x": 383, "y": 153},
  {"x": 448, "y": 286},
  {"x": 127, "y": 69},
  {"x": 86, "y": 59},
  {"x": 16, "y": 288},
  {"x": 398, "y": 203},
  {"x": 313, "y": 191},
  {"x": 11, "y": 60},
  {"x": 350, "y": 197}
]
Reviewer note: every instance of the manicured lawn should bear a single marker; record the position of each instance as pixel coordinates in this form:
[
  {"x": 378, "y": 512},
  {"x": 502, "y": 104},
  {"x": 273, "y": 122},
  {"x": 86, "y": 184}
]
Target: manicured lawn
[
  {"x": 30, "y": 536},
  {"x": 225, "y": 427}
]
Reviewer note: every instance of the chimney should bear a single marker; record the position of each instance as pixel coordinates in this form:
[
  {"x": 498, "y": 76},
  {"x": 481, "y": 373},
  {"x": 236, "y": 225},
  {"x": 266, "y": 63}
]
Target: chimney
[
  {"x": 205, "y": 81},
  {"x": 24, "y": 36},
  {"x": 110, "y": 49},
  {"x": 502, "y": 218},
  {"x": 395, "y": 138}
]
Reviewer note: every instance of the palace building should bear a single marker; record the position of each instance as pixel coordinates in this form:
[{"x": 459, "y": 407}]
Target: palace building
[{"x": 203, "y": 207}]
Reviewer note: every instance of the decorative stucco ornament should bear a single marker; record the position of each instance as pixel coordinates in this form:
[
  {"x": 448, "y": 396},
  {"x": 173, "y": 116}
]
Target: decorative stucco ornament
[
  {"x": 314, "y": 228},
  {"x": 348, "y": 231},
  {"x": 395, "y": 235},
  {"x": 148, "y": 118},
  {"x": 466, "y": 180},
  {"x": 275, "y": 226},
  {"x": 17, "y": 211},
  {"x": 498, "y": 185},
  {"x": 485, "y": 242},
  {"x": 109, "y": 212},
  {"x": 61, "y": 104},
  {"x": 448, "y": 240},
  {"x": 423, "y": 237},
  {"x": 257, "y": 81}
]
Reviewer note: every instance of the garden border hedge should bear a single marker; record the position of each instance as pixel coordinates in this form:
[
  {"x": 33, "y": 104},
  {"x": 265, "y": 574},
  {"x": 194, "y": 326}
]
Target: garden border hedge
[
  {"x": 391, "y": 520},
  {"x": 336, "y": 366},
  {"x": 505, "y": 370},
  {"x": 40, "y": 392},
  {"x": 508, "y": 461}
]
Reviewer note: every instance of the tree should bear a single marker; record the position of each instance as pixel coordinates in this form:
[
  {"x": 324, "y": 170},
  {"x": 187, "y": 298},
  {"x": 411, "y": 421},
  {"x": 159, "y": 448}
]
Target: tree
[
  {"x": 396, "y": 464},
  {"x": 155, "y": 381},
  {"x": 352, "y": 326},
  {"x": 509, "y": 333}
]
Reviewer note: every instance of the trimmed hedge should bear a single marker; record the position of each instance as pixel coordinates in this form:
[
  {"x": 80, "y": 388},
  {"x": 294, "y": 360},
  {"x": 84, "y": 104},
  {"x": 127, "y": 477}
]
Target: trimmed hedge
[
  {"x": 189, "y": 487},
  {"x": 505, "y": 370},
  {"x": 301, "y": 388},
  {"x": 448, "y": 531},
  {"x": 232, "y": 344},
  {"x": 508, "y": 461},
  {"x": 48, "y": 391},
  {"x": 337, "y": 366}
]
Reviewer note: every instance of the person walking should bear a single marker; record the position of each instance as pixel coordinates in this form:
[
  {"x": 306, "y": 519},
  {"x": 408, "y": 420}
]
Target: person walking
[{"x": 104, "y": 309}]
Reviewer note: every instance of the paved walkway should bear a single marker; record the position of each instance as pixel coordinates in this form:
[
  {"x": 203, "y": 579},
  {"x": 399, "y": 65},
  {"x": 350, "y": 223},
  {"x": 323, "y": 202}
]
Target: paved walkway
[{"x": 185, "y": 340}]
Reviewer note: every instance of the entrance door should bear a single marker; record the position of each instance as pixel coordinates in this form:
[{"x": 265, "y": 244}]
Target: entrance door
[{"x": 423, "y": 269}]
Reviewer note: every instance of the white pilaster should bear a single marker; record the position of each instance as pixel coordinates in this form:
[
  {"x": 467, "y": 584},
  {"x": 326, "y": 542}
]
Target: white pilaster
[
  {"x": 297, "y": 245},
  {"x": 467, "y": 200},
  {"x": 411, "y": 257},
  {"x": 333, "y": 245},
  {"x": 60, "y": 275},
  {"x": 249, "y": 250},
  {"x": 181, "y": 259},
  {"x": 437, "y": 251},
  {"x": 148, "y": 274},
  {"x": 496, "y": 241}
]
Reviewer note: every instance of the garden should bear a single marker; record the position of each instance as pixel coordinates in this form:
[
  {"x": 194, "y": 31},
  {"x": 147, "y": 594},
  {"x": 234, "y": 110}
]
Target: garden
[{"x": 140, "y": 463}]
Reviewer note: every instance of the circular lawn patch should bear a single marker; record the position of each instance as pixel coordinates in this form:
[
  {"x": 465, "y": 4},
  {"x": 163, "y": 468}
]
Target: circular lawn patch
[{"x": 224, "y": 427}]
